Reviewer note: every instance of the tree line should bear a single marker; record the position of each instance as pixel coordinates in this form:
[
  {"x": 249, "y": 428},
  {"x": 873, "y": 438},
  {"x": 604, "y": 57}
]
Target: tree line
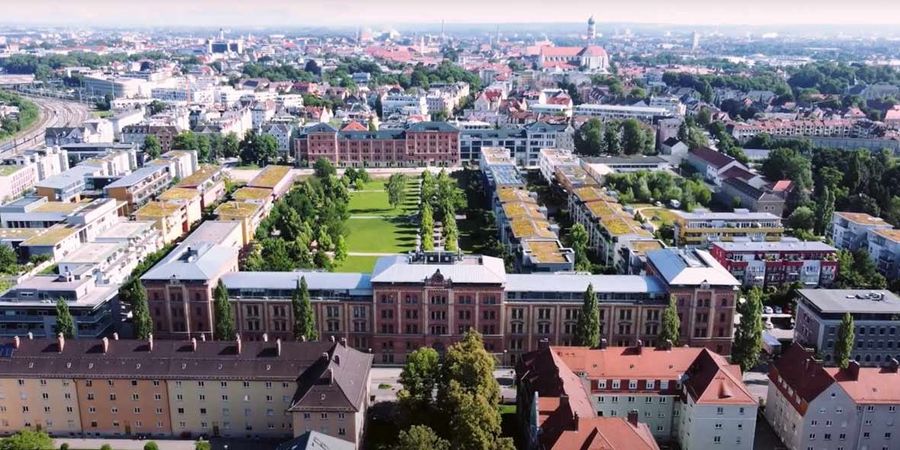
[
  {"x": 440, "y": 198},
  {"x": 28, "y": 114},
  {"x": 651, "y": 186},
  {"x": 614, "y": 137}
]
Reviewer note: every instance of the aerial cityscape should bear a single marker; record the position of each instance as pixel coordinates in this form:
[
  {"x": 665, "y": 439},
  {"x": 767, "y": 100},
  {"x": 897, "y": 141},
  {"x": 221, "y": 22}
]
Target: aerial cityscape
[{"x": 403, "y": 225}]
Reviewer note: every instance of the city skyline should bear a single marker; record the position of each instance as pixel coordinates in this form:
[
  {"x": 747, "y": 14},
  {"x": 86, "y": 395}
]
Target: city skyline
[{"x": 353, "y": 12}]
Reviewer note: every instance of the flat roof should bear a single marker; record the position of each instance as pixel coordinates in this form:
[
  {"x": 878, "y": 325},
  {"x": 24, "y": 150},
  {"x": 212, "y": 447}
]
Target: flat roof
[
  {"x": 270, "y": 176},
  {"x": 737, "y": 215},
  {"x": 237, "y": 209},
  {"x": 54, "y": 235},
  {"x": 60, "y": 207},
  {"x": 545, "y": 251},
  {"x": 523, "y": 228},
  {"x": 157, "y": 209},
  {"x": 862, "y": 218},
  {"x": 9, "y": 169},
  {"x": 19, "y": 233},
  {"x": 92, "y": 253},
  {"x": 784, "y": 245},
  {"x": 853, "y": 300},
  {"x": 138, "y": 175},
  {"x": 126, "y": 229},
  {"x": 889, "y": 234},
  {"x": 514, "y": 194},
  {"x": 252, "y": 193},
  {"x": 213, "y": 231},
  {"x": 201, "y": 175},
  {"x": 521, "y": 209},
  {"x": 179, "y": 193}
]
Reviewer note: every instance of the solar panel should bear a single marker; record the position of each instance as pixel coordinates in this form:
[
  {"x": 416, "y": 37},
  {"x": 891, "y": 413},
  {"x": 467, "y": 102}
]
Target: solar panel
[{"x": 6, "y": 350}]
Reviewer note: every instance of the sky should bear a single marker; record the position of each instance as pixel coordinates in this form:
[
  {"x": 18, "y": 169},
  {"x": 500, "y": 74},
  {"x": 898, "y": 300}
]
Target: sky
[{"x": 258, "y": 13}]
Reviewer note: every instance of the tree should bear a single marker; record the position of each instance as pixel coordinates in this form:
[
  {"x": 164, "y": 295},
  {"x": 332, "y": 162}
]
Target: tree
[
  {"x": 587, "y": 329},
  {"x": 202, "y": 445},
  {"x": 748, "y": 336},
  {"x": 259, "y": 149},
  {"x": 426, "y": 229},
  {"x": 633, "y": 137},
  {"x": 224, "y": 329},
  {"x": 141, "y": 321},
  {"x": 420, "y": 437},
  {"x": 151, "y": 446},
  {"x": 323, "y": 168},
  {"x": 304, "y": 317},
  {"x": 419, "y": 378},
  {"x": 671, "y": 324},
  {"x": 845, "y": 341},
  {"x": 106, "y": 447},
  {"x": 151, "y": 146},
  {"x": 27, "y": 439},
  {"x": 802, "y": 218},
  {"x": 8, "y": 260},
  {"x": 65, "y": 324},
  {"x": 155, "y": 107},
  {"x": 578, "y": 240},
  {"x": 340, "y": 249},
  {"x": 612, "y": 140},
  {"x": 589, "y": 138},
  {"x": 825, "y": 210},
  {"x": 231, "y": 146},
  {"x": 396, "y": 189}
]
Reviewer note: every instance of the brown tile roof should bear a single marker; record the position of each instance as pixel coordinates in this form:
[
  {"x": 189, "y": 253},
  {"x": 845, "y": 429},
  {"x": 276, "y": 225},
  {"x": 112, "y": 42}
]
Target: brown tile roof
[
  {"x": 711, "y": 380},
  {"x": 177, "y": 360},
  {"x": 872, "y": 385},
  {"x": 802, "y": 373},
  {"x": 714, "y": 158},
  {"x": 341, "y": 381}
]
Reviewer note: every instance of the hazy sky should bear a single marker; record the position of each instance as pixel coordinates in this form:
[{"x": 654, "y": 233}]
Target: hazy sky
[{"x": 355, "y": 12}]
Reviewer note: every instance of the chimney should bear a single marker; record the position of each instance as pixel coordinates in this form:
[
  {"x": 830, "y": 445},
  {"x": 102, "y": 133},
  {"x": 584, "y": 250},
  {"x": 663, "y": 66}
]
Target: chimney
[
  {"x": 564, "y": 400},
  {"x": 325, "y": 356},
  {"x": 237, "y": 339},
  {"x": 639, "y": 346},
  {"x": 17, "y": 342},
  {"x": 331, "y": 339},
  {"x": 303, "y": 338},
  {"x": 265, "y": 337},
  {"x": 61, "y": 340},
  {"x": 852, "y": 370},
  {"x": 194, "y": 344},
  {"x": 344, "y": 341},
  {"x": 203, "y": 337},
  {"x": 543, "y": 343},
  {"x": 669, "y": 344},
  {"x": 115, "y": 336},
  {"x": 30, "y": 335},
  {"x": 330, "y": 376},
  {"x": 633, "y": 417},
  {"x": 278, "y": 346},
  {"x": 150, "y": 342},
  {"x": 893, "y": 365},
  {"x": 105, "y": 345},
  {"x": 603, "y": 343}
]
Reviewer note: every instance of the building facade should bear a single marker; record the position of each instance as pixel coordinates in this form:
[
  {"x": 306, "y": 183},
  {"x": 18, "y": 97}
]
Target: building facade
[
  {"x": 420, "y": 144},
  {"x": 700, "y": 229},
  {"x": 765, "y": 264}
]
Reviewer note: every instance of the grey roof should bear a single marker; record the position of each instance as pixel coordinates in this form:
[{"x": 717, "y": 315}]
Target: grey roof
[
  {"x": 212, "y": 231},
  {"x": 579, "y": 283},
  {"x": 360, "y": 282},
  {"x": 477, "y": 270},
  {"x": 432, "y": 126},
  {"x": 313, "y": 440},
  {"x": 67, "y": 178},
  {"x": 137, "y": 176},
  {"x": 190, "y": 261},
  {"x": 690, "y": 268},
  {"x": 618, "y": 160},
  {"x": 341, "y": 382},
  {"x": 783, "y": 245},
  {"x": 320, "y": 128},
  {"x": 503, "y": 133},
  {"x": 736, "y": 215},
  {"x": 853, "y": 300}
]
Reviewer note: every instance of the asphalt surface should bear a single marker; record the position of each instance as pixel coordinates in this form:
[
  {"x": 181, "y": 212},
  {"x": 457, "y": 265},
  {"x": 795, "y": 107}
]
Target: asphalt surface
[{"x": 53, "y": 113}]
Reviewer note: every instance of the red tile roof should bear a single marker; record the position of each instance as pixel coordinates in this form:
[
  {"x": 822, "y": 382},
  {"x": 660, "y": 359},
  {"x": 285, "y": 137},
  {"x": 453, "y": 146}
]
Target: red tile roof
[
  {"x": 782, "y": 186},
  {"x": 872, "y": 385},
  {"x": 711, "y": 380},
  {"x": 606, "y": 433},
  {"x": 714, "y": 158},
  {"x": 799, "y": 369}
]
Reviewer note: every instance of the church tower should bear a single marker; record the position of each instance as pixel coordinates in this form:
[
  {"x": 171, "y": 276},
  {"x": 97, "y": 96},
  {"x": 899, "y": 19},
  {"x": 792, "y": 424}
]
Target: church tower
[{"x": 591, "y": 29}]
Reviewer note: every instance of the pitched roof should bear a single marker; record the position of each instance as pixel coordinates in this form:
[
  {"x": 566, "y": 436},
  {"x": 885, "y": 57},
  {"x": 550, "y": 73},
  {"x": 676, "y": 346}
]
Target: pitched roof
[
  {"x": 399, "y": 269},
  {"x": 336, "y": 380},
  {"x": 313, "y": 440},
  {"x": 798, "y": 368},
  {"x": 606, "y": 433},
  {"x": 190, "y": 261},
  {"x": 711, "y": 380},
  {"x": 690, "y": 268},
  {"x": 712, "y": 157},
  {"x": 872, "y": 385}
]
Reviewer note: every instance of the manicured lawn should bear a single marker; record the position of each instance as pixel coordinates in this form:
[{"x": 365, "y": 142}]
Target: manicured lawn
[
  {"x": 382, "y": 235},
  {"x": 658, "y": 216},
  {"x": 357, "y": 264}
]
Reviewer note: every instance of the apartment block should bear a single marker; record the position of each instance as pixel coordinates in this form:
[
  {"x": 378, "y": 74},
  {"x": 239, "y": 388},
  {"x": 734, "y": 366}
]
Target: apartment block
[
  {"x": 420, "y": 144},
  {"x": 768, "y": 264},
  {"x": 209, "y": 181},
  {"x": 184, "y": 389},
  {"x": 884, "y": 251},
  {"x": 691, "y": 397},
  {"x": 815, "y": 407},
  {"x": 874, "y": 312},
  {"x": 849, "y": 230},
  {"x": 140, "y": 186},
  {"x": 700, "y": 229}
]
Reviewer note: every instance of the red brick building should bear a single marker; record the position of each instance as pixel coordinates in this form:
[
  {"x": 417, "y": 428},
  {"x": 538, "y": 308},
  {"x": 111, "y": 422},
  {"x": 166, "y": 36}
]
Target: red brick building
[{"x": 420, "y": 144}]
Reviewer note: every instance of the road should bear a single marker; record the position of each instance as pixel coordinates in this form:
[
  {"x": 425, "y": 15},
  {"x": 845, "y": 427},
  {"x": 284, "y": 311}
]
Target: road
[{"x": 53, "y": 113}]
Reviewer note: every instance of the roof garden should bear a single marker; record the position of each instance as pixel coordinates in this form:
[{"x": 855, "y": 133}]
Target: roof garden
[
  {"x": 546, "y": 251},
  {"x": 157, "y": 209},
  {"x": 523, "y": 228},
  {"x": 252, "y": 193},
  {"x": 54, "y": 235},
  {"x": 270, "y": 176},
  {"x": 178, "y": 193},
  {"x": 203, "y": 174},
  {"x": 240, "y": 210}
]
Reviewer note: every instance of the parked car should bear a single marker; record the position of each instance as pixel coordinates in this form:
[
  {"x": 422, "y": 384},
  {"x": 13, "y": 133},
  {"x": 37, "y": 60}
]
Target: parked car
[{"x": 768, "y": 310}]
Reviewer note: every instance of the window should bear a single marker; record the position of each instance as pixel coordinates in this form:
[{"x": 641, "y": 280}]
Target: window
[
  {"x": 632, "y": 384},
  {"x": 717, "y": 439},
  {"x": 720, "y": 411},
  {"x": 615, "y": 384}
]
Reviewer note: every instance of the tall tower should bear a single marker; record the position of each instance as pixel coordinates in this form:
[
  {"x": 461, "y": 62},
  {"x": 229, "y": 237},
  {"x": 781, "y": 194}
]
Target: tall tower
[
  {"x": 695, "y": 41},
  {"x": 592, "y": 28}
]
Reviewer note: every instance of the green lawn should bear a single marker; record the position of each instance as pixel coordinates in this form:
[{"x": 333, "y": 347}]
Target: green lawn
[
  {"x": 658, "y": 216},
  {"x": 357, "y": 264},
  {"x": 383, "y": 235}
]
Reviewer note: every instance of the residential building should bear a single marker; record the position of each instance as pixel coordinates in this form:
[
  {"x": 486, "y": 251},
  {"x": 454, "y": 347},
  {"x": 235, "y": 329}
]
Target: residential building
[
  {"x": 137, "y": 188},
  {"x": 524, "y": 143},
  {"x": 29, "y": 307},
  {"x": 620, "y": 112},
  {"x": 69, "y": 186},
  {"x": 278, "y": 179},
  {"x": 16, "y": 180},
  {"x": 778, "y": 128},
  {"x": 420, "y": 144},
  {"x": 712, "y": 164},
  {"x": 742, "y": 194},
  {"x": 700, "y": 229},
  {"x": 551, "y": 158},
  {"x": 705, "y": 293},
  {"x": 403, "y": 104},
  {"x": 209, "y": 181},
  {"x": 184, "y": 389},
  {"x": 877, "y": 336},
  {"x": 850, "y": 230},
  {"x": 181, "y": 163},
  {"x": 610, "y": 227},
  {"x": 813, "y": 407},
  {"x": 169, "y": 218},
  {"x": 47, "y": 161},
  {"x": 136, "y": 134},
  {"x": 773, "y": 264},
  {"x": 691, "y": 397},
  {"x": 884, "y": 251},
  {"x": 248, "y": 213},
  {"x": 283, "y": 133}
]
